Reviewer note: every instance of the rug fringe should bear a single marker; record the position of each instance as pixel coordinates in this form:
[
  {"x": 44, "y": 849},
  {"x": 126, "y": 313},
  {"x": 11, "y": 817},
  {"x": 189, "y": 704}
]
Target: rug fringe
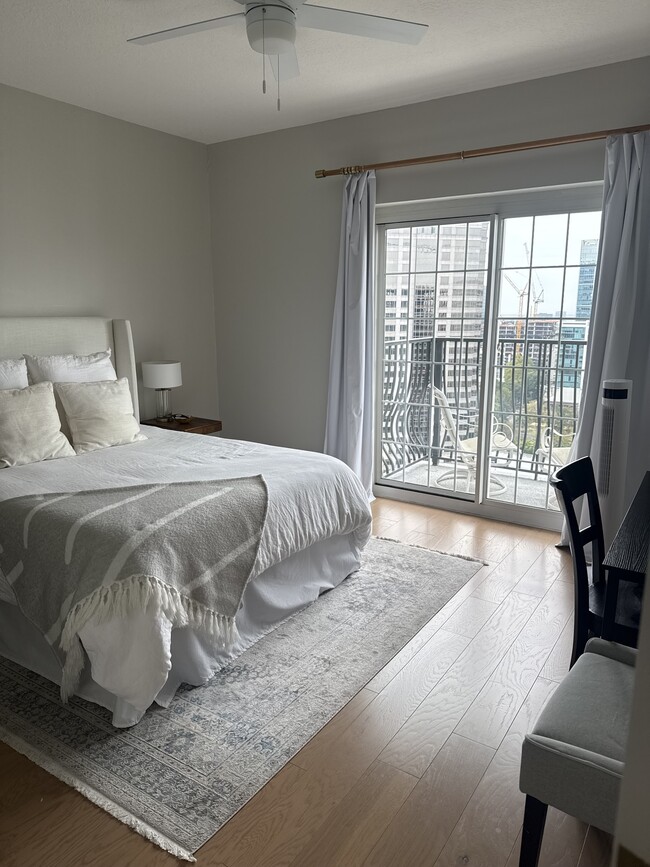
[
  {"x": 433, "y": 550},
  {"x": 96, "y": 797},
  {"x": 125, "y": 597}
]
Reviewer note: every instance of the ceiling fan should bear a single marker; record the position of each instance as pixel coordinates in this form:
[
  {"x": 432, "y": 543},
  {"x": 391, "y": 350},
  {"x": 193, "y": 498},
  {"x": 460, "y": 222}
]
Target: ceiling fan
[{"x": 271, "y": 29}]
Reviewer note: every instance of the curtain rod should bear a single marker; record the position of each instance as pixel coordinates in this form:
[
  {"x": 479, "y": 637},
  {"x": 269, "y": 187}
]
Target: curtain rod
[{"x": 483, "y": 152}]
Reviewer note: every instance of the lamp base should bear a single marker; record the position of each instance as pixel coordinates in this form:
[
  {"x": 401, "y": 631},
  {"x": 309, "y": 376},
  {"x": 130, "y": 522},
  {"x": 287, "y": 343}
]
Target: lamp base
[{"x": 163, "y": 404}]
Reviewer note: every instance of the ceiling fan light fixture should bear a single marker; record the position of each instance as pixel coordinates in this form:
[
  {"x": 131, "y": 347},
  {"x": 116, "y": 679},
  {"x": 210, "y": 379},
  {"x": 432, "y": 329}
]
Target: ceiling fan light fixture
[{"x": 271, "y": 29}]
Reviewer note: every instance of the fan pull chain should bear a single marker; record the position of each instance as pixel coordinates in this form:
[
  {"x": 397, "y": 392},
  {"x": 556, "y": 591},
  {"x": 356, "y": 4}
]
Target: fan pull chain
[
  {"x": 278, "y": 82},
  {"x": 263, "y": 53}
]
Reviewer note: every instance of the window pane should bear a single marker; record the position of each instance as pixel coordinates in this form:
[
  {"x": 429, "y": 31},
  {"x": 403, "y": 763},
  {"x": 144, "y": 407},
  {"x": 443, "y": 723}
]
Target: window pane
[
  {"x": 584, "y": 231},
  {"x": 549, "y": 240},
  {"x": 423, "y": 294},
  {"x": 398, "y": 249},
  {"x": 546, "y": 299},
  {"x": 425, "y": 239},
  {"x": 475, "y": 295},
  {"x": 452, "y": 246},
  {"x": 513, "y": 297},
  {"x": 517, "y": 235},
  {"x": 397, "y": 284},
  {"x": 571, "y": 282}
]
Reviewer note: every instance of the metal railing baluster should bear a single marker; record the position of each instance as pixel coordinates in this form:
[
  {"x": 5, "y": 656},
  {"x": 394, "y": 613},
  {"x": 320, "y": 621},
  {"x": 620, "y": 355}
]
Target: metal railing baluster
[{"x": 412, "y": 366}]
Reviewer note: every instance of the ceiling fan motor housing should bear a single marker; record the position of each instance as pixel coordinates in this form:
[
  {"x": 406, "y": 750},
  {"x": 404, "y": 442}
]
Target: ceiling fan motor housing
[{"x": 271, "y": 28}]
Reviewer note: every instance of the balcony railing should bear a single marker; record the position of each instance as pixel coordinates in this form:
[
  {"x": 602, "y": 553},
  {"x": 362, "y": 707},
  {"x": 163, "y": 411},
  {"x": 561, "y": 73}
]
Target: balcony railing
[{"x": 537, "y": 387}]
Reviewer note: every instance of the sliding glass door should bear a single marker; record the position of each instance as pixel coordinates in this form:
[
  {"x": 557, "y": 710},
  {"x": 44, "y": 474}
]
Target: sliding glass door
[
  {"x": 434, "y": 326},
  {"x": 484, "y": 329},
  {"x": 546, "y": 276}
]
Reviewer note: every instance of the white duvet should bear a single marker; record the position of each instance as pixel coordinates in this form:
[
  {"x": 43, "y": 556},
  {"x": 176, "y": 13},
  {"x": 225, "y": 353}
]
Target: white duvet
[{"x": 312, "y": 497}]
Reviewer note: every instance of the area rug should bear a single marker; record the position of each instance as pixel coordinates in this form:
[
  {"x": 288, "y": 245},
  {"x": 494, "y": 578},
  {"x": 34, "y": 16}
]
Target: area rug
[{"x": 182, "y": 772}]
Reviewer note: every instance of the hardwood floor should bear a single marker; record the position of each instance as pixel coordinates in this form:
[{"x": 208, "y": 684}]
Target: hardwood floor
[{"x": 419, "y": 769}]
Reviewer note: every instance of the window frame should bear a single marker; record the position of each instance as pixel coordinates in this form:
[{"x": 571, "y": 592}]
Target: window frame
[{"x": 495, "y": 207}]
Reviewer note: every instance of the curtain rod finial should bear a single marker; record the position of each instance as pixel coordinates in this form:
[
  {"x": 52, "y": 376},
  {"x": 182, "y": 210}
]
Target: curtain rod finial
[{"x": 344, "y": 170}]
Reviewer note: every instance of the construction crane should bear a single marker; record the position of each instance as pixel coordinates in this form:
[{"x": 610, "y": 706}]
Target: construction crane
[
  {"x": 539, "y": 295},
  {"x": 523, "y": 298},
  {"x": 523, "y": 292}
]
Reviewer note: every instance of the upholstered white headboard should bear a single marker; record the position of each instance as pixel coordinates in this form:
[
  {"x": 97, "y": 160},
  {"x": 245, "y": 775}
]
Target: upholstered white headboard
[{"x": 53, "y": 335}]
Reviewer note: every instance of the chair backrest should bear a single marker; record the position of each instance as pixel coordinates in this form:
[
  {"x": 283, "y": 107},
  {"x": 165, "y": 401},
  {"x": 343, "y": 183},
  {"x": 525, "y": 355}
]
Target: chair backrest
[
  {"x": 446, "y": 415},
  {"x": 571, "y": 482}
]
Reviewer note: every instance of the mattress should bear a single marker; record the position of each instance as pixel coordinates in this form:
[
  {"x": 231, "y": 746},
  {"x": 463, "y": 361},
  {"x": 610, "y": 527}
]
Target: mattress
[{"x": 318, "y": 521}]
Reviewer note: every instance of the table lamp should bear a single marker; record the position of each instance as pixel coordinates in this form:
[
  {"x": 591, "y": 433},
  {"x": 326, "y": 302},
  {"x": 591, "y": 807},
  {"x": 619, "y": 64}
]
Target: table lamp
[{"x": 162, "y": 376}]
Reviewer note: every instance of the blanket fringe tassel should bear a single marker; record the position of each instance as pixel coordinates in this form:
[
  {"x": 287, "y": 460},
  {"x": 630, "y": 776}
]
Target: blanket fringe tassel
[{"x": 128, "y": 596}]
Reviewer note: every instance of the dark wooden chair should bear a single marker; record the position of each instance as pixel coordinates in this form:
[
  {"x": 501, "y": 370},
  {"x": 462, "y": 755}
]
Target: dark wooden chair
[{"x": 572, "y": 482}]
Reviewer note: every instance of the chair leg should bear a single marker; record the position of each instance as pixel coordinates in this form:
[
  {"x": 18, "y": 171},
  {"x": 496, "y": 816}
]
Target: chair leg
[
  {"x": 460, "y": 473},
  {"x": 498, "y": 484},
  {"x": 464, "y": 472},
  {"x": 531, "y": 838}
]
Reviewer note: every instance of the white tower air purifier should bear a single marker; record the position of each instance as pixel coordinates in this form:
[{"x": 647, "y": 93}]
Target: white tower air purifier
[{"x": 612, "y": 457}]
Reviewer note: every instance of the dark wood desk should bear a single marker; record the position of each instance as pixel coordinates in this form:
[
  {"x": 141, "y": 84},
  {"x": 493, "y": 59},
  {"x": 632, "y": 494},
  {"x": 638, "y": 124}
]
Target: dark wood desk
[{"x": 627, "y": 558}]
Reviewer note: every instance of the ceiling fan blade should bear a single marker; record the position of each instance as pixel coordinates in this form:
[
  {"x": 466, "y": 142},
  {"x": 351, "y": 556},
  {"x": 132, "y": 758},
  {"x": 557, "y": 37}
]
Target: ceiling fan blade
[
  {"x": 360, "y": 24},
  {"x": 288, "y": 65},
  {"x": 186, "y": 29}
]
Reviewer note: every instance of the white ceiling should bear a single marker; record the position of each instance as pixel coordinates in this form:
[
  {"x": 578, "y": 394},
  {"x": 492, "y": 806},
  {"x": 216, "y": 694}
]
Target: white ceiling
[{"x": 207, "y": 86}]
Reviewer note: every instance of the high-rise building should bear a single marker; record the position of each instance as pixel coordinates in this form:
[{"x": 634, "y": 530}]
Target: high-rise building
[
  {"x": 586, "y": 278},
  {"x": 572, "y": 353},
  {"x": 436, "y": 273}
]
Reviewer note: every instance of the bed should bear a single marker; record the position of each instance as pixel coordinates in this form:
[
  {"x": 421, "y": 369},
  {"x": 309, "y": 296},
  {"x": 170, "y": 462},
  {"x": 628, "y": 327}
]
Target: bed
[{"x": 317, "y": 523}]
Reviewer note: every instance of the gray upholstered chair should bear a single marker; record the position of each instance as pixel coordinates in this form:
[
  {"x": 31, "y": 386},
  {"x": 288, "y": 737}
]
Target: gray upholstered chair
[{"x": 573, "y": 759}]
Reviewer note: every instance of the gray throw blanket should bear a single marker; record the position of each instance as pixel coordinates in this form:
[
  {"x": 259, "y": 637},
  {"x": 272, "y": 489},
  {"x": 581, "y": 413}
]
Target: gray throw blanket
[{"x": 185, "y": 549}]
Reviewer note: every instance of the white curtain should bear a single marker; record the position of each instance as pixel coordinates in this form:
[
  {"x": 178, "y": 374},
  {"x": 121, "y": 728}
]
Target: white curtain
[
  {"x": 619, "y": 345},
  {"x": 350, "y": 404}
]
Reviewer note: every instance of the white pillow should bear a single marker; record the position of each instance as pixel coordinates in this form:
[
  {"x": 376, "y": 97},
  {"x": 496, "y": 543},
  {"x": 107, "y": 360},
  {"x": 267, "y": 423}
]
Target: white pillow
[
  {"x": 13, "y": 373},
  {"x": 99, "y": 414},
  {"x": 71, "y": 368},
  {"x": 30, "y": 429}
]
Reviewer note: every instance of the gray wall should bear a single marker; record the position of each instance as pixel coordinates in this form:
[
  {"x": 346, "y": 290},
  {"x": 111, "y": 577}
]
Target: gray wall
[
  {"x": 103, "y": 217},
  {"x": 275, "y": 228}
]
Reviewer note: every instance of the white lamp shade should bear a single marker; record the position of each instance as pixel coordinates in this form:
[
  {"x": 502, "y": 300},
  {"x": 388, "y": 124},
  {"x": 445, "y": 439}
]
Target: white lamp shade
[{"x": 161, "y": 374}]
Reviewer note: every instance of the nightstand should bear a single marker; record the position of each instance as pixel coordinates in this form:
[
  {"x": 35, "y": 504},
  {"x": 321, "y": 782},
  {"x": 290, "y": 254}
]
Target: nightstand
[{"x": 195, "y": 425}]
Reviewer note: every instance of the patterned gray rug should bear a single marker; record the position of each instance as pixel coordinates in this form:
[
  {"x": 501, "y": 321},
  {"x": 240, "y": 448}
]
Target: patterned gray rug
[{"x": 182, "y": 772}]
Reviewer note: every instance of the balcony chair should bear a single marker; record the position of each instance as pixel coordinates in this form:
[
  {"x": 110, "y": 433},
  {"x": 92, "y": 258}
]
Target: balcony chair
[
  {"x": 571, "y": 483},
  {"x": 574, "y": 757},
  {"x": 466, "y": 449},
  {"x": 554, "y": 456}
]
